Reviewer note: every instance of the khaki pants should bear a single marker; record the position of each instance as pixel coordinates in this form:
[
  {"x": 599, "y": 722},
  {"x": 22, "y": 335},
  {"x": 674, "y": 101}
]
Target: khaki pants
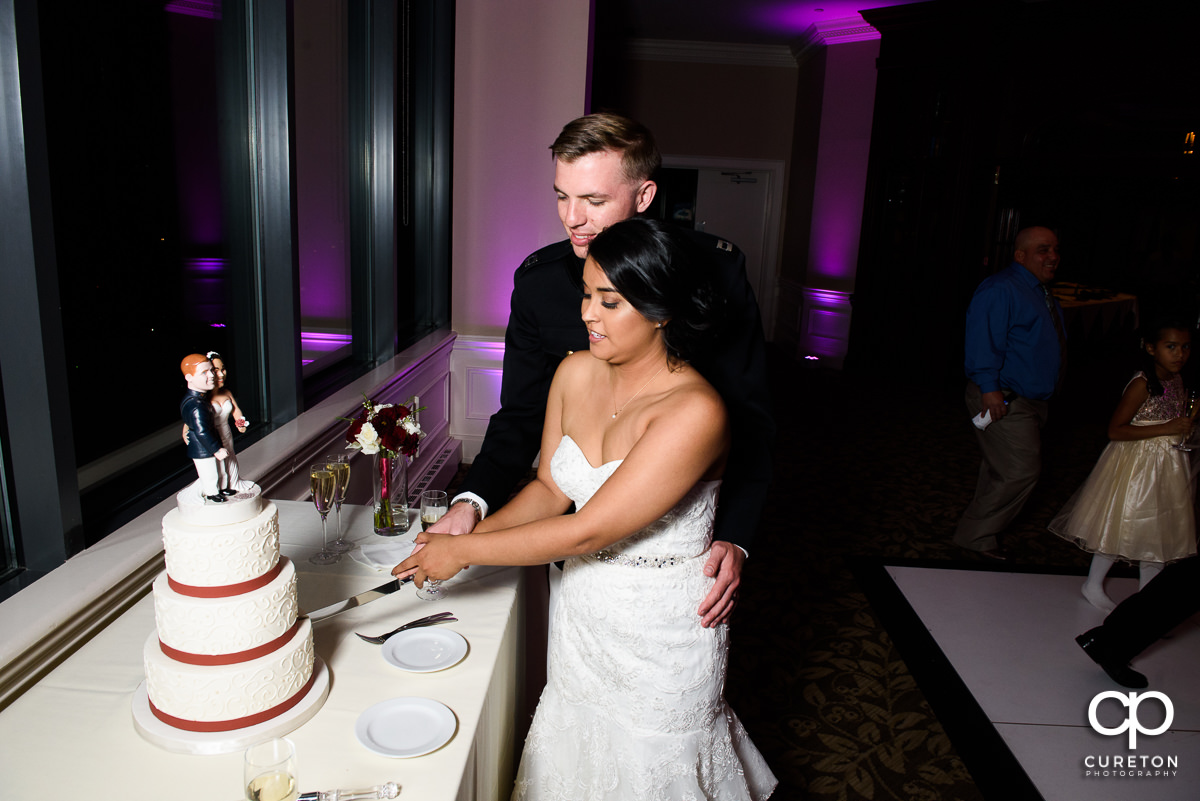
[{"x": 1012, "y": 461}]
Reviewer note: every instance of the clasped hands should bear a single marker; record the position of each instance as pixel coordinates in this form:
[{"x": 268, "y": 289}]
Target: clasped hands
[{"x": 432, "y": 558}]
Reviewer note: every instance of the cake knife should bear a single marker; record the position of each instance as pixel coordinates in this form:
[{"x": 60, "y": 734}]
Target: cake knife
[{"x": 358, "y": 600}]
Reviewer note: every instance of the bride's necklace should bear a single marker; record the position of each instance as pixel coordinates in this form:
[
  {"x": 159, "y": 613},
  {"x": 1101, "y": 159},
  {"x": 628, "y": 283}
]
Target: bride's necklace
[{"x": 639, "y": 392}]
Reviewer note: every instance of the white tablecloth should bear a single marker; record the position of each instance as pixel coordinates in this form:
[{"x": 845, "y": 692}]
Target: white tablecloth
[{"x": 73, "y": 736}]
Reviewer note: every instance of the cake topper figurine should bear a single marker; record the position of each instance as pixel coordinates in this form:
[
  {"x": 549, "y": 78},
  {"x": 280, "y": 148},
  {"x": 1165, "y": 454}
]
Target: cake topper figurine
[
  {"x": 225, "y": 411},
  {"x": 203, "y": 443}
]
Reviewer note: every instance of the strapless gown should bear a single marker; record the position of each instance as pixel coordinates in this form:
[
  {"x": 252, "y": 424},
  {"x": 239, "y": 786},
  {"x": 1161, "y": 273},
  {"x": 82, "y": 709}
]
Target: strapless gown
[
  {"x": 227, "y": 469},
  {"x": 634, "y": 704}
]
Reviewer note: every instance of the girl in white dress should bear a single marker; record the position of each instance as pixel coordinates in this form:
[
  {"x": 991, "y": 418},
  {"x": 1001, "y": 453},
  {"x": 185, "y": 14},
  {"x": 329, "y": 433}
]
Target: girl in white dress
[
  {"x": 634, "y": 704},
  {"x": 1137, "y": 503}
]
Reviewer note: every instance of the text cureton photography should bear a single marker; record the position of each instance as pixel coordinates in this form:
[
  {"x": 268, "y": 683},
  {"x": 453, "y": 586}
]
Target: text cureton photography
[{"x": 1131, "y": 765}]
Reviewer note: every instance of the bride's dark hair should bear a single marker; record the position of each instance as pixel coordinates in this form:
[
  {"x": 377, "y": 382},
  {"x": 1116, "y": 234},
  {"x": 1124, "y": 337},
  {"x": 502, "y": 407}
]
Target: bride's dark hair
[{"x": 666, "y": 278}]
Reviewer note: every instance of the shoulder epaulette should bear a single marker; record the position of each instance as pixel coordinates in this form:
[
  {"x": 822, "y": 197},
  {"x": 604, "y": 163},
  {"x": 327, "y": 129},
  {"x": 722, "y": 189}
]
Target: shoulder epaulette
[{"x": 548, "y": 253}]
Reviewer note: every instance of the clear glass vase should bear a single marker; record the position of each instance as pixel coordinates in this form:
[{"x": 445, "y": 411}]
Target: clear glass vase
[{"x": 390, "y": 483}]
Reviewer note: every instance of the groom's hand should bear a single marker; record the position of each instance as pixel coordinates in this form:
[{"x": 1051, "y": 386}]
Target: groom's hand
[
  {"x": 459, "y": 519},
  {"x": 725, "y": 563}
]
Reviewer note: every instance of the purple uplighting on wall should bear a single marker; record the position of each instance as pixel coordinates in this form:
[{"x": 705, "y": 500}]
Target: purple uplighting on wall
[
  {"x": 798, "y": 17},
  {"x": 205, "y": 283},
  {"x": 195, "y": 8},
  {"x": 320, "y": 343},
  {"x": 205, "y": 266}
]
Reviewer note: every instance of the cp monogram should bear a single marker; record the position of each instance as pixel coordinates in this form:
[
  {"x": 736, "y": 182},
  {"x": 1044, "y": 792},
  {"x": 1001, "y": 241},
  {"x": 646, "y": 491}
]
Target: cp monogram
[{"x": 1131, "y": 721}]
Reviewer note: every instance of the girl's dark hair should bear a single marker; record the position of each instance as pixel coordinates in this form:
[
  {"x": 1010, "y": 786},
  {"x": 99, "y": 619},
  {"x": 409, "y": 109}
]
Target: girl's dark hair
[
  {"x": 1151, "y": 332},
  {"x": 666, "y": 278}
]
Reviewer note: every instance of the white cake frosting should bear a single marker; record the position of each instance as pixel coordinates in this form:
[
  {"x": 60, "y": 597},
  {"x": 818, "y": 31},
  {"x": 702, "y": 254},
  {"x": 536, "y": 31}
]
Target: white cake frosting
[
  {"x": 221, "y": 554},
  {"x": 218, "y": 693},
  {"x": 229, "y": 650},
  {"x": 226, "y": 625}
]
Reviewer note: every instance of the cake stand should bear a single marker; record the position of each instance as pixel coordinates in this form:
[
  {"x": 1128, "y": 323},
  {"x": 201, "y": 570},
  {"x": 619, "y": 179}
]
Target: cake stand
[{"x": 224, "y": 742}]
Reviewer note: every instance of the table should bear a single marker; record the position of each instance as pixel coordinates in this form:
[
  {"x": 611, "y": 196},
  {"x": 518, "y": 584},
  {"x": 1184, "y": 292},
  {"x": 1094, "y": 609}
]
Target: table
[
  {"x": 1091, "y": 312},
  {"x": 73, "y": 733}
]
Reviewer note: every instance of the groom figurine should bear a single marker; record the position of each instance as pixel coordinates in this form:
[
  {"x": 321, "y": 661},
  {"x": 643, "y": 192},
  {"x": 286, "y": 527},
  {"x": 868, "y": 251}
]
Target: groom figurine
[{"x": 204, "y": 446}]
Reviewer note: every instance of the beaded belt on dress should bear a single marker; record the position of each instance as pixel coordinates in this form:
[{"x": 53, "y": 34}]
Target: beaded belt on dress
[{"x": 638, "y": 561}]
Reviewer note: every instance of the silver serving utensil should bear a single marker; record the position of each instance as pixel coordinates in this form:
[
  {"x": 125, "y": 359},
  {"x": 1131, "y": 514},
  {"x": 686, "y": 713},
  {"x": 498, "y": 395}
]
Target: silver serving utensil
[
  {"x": 389, "y": 790},
  {"x": 432, "y": 620}
]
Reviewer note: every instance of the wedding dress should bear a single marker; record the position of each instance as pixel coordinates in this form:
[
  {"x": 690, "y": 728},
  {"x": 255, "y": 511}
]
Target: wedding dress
[
  {"x": 634, "y": 703},
  {"x": 227, "y": 469}
]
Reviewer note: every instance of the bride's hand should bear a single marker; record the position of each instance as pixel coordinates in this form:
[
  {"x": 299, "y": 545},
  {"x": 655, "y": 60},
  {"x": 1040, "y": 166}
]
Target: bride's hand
[{"x": 432, "y": 558}]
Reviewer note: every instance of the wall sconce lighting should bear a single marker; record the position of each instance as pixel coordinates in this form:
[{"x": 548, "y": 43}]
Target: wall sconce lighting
[{"x": 1189, "y": 143}]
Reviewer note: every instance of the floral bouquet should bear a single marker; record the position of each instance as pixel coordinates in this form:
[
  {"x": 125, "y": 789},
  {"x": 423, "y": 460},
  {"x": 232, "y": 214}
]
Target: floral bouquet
[
  {"x": 392, "y": 434},
  {"x": 387, "y": 428}
]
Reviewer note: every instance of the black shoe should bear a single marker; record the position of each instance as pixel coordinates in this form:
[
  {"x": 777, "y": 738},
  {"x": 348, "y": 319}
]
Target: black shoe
[
  {"x": 1118, "y": 671},
  {"x": 218, "y": 498},
  {"x": 229, "y": 492}
]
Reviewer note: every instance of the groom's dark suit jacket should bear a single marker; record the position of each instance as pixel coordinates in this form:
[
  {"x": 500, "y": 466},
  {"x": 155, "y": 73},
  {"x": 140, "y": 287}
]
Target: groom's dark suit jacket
[
  {"x": 544, "y": 325},
  {"x": 203, "y": 440}
]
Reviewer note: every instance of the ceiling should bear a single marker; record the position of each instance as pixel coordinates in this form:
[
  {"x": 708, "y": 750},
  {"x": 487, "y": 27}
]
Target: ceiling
[{"x": 760, "y": 22}]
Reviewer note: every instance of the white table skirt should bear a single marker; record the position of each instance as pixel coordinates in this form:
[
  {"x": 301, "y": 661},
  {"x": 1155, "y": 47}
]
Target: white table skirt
[{"x": 72, "y": 735}]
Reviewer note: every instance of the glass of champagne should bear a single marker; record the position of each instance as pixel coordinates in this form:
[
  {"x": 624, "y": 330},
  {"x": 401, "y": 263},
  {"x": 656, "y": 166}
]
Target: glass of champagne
[
  {"x": 1189, "y": 410},
  {"x": 322, "y": 481},
  {"x": 270, "y": 771},
  {"x": 434, "y": 504},
  {"x": 340, "y": 465}
]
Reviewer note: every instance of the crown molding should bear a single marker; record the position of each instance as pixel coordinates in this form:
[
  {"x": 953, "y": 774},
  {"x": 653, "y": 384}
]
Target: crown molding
[
  {"x": 710, "y": 52},
  {"x": 832, "y": 32}
]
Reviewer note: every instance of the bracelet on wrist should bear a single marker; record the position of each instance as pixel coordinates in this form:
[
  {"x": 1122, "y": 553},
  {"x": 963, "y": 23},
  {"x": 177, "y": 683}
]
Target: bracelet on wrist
[{"x": 478, "y": 509}]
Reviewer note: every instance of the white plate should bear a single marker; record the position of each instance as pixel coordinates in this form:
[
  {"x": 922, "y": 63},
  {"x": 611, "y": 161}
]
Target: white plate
[
  {"x": 405, "y": 727},
  {"x": 424, "y": 650}
]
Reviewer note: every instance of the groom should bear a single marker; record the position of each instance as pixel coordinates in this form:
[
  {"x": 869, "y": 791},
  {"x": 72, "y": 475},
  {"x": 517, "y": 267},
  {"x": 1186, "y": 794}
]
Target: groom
[{"x": 604, "y": 167}]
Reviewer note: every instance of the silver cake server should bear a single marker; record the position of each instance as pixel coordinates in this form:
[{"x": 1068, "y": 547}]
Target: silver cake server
[{"x": 358, "y": 600}]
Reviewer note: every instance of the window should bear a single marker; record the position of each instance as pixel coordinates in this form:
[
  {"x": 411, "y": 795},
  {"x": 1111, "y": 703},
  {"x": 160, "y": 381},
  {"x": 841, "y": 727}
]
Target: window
[{"x": 150, "y": 230}]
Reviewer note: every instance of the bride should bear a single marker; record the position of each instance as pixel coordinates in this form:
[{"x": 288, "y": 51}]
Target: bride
[{"x": 634, "y": 704}]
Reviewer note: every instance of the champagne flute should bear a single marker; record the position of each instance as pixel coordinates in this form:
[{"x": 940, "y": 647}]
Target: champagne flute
[
  {"x": 1189, "y": 410},
  {"x": 270, "y": 771},
  {"x": 322, "y": 481},
  {"x": 434, "y": 504},
  {"x": 340, "y": 466}
]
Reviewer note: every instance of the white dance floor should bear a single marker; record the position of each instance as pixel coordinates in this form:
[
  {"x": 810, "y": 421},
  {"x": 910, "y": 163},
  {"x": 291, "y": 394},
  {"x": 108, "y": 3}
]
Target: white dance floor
[{"x": 994, "y": 652}]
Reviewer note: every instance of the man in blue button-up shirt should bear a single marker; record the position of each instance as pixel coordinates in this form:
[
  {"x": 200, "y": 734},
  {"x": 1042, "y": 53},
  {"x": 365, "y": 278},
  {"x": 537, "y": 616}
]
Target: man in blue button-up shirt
[{"x": 1014, "y": 356}]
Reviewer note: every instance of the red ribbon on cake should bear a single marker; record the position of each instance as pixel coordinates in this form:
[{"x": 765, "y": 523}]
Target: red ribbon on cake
[
  {"x": 230, "y": 659},
  {"x": 236, "y": 723},
  {"x": 226, "y": 590}
]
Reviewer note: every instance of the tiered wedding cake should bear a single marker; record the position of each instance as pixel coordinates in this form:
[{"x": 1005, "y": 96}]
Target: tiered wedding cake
[{"x": 230, "y": 650}]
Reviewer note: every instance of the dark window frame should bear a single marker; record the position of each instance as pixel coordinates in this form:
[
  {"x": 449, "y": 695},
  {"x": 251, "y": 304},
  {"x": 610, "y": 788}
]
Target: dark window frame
[{"x": 41, "y": 523}]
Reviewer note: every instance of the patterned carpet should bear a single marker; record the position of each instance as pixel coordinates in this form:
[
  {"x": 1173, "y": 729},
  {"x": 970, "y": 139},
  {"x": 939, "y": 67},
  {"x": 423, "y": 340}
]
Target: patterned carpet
[{"x": 860, "y": 475}]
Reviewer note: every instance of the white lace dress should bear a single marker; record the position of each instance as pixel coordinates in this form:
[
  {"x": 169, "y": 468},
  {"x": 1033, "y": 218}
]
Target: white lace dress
[{"x": 634, "y": 704}]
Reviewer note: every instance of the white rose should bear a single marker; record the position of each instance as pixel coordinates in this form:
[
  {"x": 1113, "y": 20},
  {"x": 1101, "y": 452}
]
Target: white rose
[
  {"x": 410, "y": 426},
  {"x": 368, "y": 438}
]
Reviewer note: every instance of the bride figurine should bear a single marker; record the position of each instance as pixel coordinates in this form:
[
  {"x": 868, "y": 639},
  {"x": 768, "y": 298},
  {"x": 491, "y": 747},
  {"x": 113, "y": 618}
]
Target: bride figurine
[
  {"x": 225, "y": 410},
  {"x": 634, "y": 704}
]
